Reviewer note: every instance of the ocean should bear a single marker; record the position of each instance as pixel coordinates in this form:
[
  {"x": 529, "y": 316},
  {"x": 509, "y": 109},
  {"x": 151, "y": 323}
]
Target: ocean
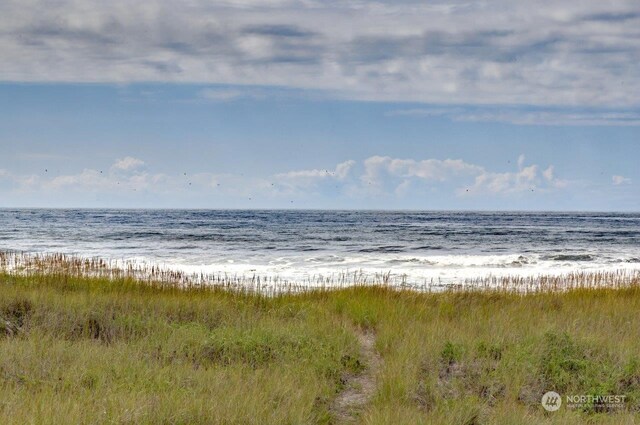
[{"x": 419, "y": 247}]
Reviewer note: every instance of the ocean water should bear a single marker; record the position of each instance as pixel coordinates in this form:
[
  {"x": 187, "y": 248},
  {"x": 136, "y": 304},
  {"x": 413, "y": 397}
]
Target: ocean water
[{"x": 423, "y": 247}]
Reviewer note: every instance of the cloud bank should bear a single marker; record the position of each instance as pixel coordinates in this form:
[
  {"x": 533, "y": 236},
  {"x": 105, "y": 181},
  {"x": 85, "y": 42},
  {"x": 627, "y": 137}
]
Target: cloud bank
[
  {"x": 539, "y": 52},
  {"x": 376, "y": 177},
  {"x": 528, "y": 116}
]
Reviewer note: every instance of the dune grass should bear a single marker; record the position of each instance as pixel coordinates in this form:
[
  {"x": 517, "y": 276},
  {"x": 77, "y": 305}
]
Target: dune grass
[{"x": 113, "y": 350}]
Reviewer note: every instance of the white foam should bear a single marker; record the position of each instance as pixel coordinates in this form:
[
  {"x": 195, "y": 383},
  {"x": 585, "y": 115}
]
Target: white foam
[{"x": 412, "y": 269}]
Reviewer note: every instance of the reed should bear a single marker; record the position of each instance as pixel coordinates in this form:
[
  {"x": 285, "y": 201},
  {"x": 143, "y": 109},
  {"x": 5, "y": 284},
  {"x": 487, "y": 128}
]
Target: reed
[
  {"x": 90, "y": 341},
  {"x": 27, "y": 264}
]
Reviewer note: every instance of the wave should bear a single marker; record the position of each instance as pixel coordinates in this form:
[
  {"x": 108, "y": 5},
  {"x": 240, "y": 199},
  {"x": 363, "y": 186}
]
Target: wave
[
  {"x": 383, "y": 249},
  {"x": 464, "y": 261},
  {"x": 410, "y": 269},
  {"x": 422, "y": 245},
  {"x": 572, "y": 257},
  {"x": 429, "y": 248}
]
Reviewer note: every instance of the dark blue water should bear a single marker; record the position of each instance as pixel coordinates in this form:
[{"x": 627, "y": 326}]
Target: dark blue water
[{"x": 299, "y": 244}]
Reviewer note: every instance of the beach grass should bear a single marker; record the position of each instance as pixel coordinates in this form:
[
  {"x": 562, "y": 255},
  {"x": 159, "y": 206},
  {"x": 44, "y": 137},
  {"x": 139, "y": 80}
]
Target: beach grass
[{"x": 81, "y": 349}]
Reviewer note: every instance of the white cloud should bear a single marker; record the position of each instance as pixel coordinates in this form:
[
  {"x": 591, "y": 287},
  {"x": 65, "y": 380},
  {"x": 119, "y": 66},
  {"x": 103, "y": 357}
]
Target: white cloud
[
  {"x": 403, "y": 175},
  {"x": 230, "y": 94},
  {"x": 524, "y": 180},
  {"x": 127, "y": 164},
  {"x": 373, "y": 177},
  {"x": 96, "y": 181},
  {"x": 378, "y": 167},
  {"x": 308, "y": 178},
  {"x": 499, "y": 52},
  {"x": 548, "y": 173},
  {"x": 221, "y": 95},
  {"x": 86, "y": 179},
  {"x": 525, "y": 116},
  {"x": 403, "y": 188},
  {"x": 24, "y": 181},
  {"x": 343, "y": 169},
  {"x": 555, "y": 117},
  {"x": 618, "y": 180},
  {"x": 426, "y": 112}
]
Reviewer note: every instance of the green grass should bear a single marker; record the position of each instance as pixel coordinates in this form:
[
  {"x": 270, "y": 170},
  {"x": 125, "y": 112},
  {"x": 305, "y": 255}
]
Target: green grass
[{"x": 97, "y": 350}]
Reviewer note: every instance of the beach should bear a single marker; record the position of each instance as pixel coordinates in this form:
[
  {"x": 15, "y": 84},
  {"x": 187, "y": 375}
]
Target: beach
[
  {"x": 319, "y": 248},
  {"x": 133, "y": 317}
]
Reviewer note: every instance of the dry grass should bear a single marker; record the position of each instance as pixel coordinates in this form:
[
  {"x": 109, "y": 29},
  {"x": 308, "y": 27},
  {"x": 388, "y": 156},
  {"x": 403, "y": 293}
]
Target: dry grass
[
  {"x": 25, "y": 264},
  {"x": 81, "y": 347}
]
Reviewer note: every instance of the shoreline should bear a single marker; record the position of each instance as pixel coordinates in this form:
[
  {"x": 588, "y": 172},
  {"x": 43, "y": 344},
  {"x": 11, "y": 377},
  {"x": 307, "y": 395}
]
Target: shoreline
[{"x": 20, "y": 263}]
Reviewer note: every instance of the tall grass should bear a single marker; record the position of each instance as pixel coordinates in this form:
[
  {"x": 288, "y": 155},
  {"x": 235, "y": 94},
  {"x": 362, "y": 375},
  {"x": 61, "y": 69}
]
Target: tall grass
[
  {"x": 81, "y": 343},
  {"x": 27, "y": 264}
]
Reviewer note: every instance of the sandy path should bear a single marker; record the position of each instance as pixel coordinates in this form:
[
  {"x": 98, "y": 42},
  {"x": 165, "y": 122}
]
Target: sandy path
[{"x": 359, "y": 389}]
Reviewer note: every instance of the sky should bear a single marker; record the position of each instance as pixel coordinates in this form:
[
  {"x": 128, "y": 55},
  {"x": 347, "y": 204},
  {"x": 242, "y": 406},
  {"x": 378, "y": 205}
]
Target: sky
[{"x": 442, "y": 105}]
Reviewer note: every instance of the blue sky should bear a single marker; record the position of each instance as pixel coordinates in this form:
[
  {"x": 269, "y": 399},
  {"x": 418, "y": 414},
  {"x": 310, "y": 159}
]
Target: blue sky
[{"x": 451, "y": 105}]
